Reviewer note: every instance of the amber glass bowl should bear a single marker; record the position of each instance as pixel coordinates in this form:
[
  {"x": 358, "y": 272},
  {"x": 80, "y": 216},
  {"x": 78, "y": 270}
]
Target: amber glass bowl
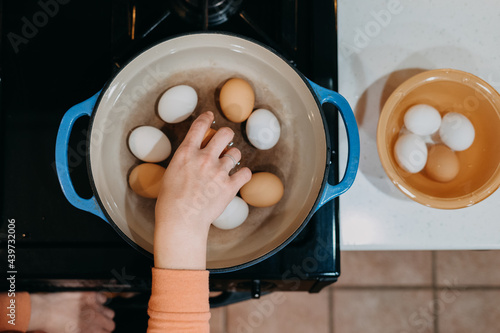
[{"x": 447, "y": 90}]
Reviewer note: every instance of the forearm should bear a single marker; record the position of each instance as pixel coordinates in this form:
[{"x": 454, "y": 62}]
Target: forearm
[
  {"x": 195, "y": 191},
  {"x": 179, "y": 247}
]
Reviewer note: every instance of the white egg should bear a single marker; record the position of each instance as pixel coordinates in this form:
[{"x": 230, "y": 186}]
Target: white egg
[
  {"x": 177, "y": 103},
  {"x": 422, "y": 119},
  {"x": 456, "y": 131},
  {"x": 263, "y": 129},
  {"x": 233, "y": 216},
  {"x": 411, "y": 152},
  {"x": 149, "y": 144}
]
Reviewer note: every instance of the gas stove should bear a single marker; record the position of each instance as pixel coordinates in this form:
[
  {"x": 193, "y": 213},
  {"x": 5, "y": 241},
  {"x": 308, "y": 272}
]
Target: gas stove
[{"x": 56, "y": 53}]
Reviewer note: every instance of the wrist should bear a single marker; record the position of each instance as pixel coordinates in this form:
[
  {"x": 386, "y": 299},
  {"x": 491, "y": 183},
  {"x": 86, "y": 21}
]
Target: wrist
[
  {"x": 180, "y": 248},
  {"x": 178, "y": 223},
  {"x": 169, "y": 232}
]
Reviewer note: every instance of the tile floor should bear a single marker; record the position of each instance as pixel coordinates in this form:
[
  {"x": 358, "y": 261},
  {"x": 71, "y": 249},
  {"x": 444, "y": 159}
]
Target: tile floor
[{"x": 389, "y": 292}]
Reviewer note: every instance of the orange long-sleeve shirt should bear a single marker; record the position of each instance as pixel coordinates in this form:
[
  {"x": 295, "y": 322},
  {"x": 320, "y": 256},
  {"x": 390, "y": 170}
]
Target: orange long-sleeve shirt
[
  {"x": 179, "y": 302},
  {"x": 15, "y": 318}
]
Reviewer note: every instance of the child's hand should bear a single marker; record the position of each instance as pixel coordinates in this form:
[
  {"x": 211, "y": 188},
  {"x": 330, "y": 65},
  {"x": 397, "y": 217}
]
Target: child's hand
[{"x": 196, "y": 189}]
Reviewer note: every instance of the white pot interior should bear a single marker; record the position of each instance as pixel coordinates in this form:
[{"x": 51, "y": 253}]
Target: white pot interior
[{"x": 204, "y": 61}]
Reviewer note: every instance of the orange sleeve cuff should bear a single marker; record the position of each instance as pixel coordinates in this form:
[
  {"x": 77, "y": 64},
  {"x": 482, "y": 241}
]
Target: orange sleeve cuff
[
  {"x": 16, "y": 311},
  {"x": 179, "y": 291},
  {"x": 179, "y": 301}
]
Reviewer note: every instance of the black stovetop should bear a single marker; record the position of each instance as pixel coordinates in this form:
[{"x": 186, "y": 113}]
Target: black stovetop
[{"x": 54, "y": 56}]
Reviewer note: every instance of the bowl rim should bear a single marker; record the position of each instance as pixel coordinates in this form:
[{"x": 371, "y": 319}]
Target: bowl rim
[{"x": 445, "y": 74}]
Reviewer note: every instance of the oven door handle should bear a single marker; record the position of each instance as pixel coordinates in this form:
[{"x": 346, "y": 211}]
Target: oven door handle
[
  {"x": 231, "y": 297},
  {"x": 329, "y": 96},
  {"x": 84, "y": 108}
]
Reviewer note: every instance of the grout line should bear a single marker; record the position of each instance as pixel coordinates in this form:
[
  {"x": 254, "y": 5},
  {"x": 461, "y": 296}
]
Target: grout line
[
  {"x": 372, "y": 287},
  {"x": 437, "y": 287},
  {"x": 331, "y": 295},
  {"x": 434, "y": 291},
  {"x": 224, "y": 320},
  {"x": 470, "y": 287}
]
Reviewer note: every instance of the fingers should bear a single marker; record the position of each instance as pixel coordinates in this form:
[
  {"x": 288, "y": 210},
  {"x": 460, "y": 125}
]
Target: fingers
[
  {"x": 198, "y": 128},
  {"x": 216, "y": 146},
  {"x": 101, "y": 298},
  {"x": 106, "y": 323},
  {"x": 230, "y": 159},
  {"x": 241, "y": 177},
  {"x": 220, "y": 140},
  {"x": 105, "y": 326},
  {"x": 107, "y": 312},
  {"x": 91, "y": 297},
  {"x": 104, "y": 319}
]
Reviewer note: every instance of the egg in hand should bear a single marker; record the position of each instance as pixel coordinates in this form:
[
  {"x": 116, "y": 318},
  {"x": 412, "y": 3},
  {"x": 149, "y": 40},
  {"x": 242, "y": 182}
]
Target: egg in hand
[{"x": 209, "y": 134}]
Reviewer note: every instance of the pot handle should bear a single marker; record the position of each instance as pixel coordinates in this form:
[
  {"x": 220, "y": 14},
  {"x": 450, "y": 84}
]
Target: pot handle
[
  {"x": 328, "y": 96},
  {"x": 63, "y": 173}
]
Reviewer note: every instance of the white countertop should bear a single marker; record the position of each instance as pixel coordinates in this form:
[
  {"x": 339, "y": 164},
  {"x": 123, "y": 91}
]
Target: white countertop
[{"x": 381, "y": 43}]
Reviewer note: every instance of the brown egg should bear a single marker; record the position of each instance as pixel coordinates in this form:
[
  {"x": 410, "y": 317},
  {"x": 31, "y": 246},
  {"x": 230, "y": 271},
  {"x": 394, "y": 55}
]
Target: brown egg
[
  {"x": 237, "y": 100},
  {"x": 263, "y": 190},
  {"x": 442, "y": 164},
  {"x": 208, "y": 136},
  {"x": 145, "y": 179}
]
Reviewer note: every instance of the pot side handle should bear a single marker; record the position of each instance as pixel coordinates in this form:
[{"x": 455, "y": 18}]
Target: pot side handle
[
  {"x": 63, "y": 173},
  {"x": 328, "y": 96}
]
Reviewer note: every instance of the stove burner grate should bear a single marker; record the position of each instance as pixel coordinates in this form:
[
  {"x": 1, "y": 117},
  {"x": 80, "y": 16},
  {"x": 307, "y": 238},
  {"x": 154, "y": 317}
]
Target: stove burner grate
[{"x": 209, "y": 12}]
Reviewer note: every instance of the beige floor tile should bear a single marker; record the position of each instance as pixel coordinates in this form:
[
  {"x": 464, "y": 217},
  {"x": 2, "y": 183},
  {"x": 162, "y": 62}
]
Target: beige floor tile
[
  {"x": 385, "y": 268},
  {"x": 468, "y": 268},
  {"x": 383, "y": 311},
  {"x": 218, "y": 320},
  {"x": 470, "y": 311},
  {"x": 290, "y": 312}
]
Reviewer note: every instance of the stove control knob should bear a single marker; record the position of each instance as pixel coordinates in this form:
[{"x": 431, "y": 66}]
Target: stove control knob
[{"x": 256, "y": 289}]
